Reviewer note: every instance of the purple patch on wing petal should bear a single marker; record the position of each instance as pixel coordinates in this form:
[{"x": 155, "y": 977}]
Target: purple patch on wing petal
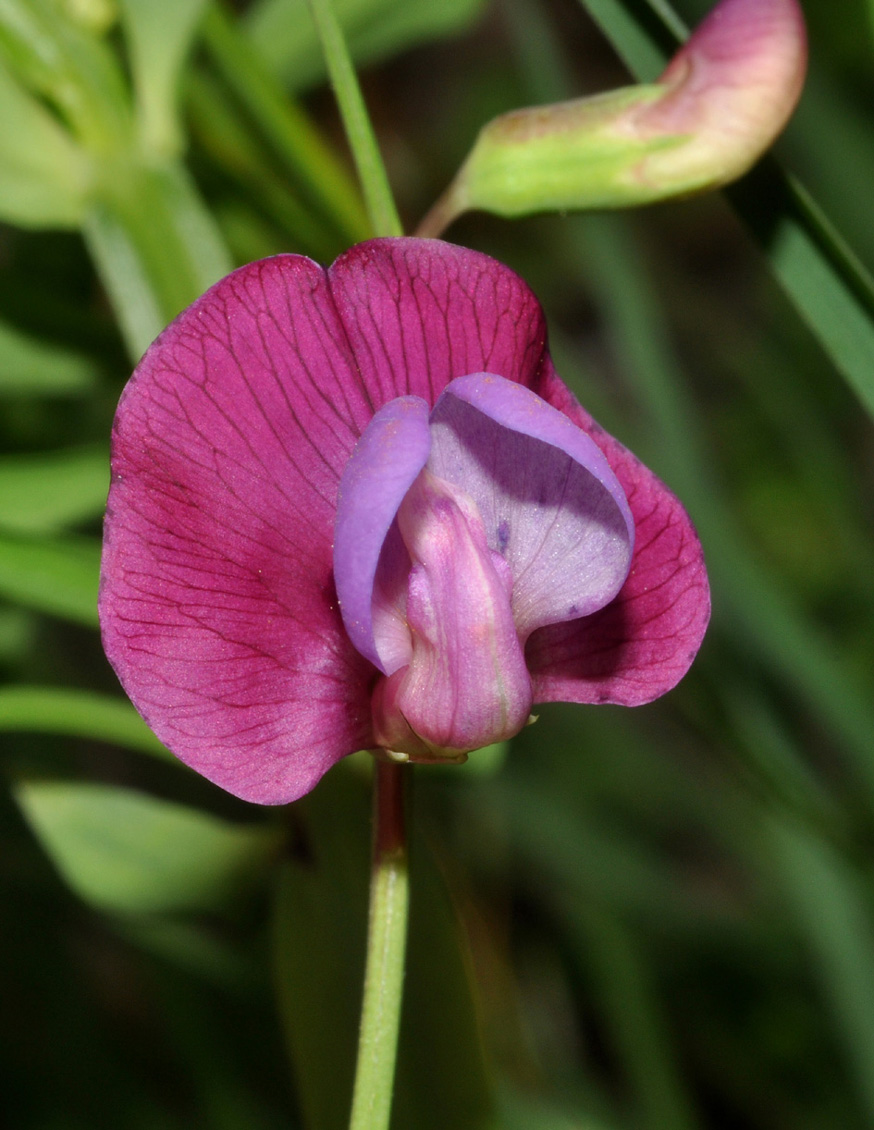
[
  {"x": 386, "y": 460},
  {"x": 550, "y": 503}
]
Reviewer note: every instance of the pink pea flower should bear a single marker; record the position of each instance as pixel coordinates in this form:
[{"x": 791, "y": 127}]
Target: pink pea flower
[{"x": 355, "y": 508}]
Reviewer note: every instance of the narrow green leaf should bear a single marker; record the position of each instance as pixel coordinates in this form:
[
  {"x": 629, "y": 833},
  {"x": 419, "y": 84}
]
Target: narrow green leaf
[
  {"x": 125, "y": 277},
  {"x": 204, "y": 954},
  {"x": 58, "y": 576},
  {"x": 130, "y": 853},
  {"x": 294, "y": 138},
  {"x": 749, "y": 603},
  {"x": 372, "y": 176},
  {"x": 16, "y": 633},
  {"x": 227, "y": 135},
  {"x": 827, "y": 284},
  {"x": 78, "y": 714},
  {"x": 43, "y": 494},
  {"x": 644, "y": 33},
  {"x": 523, "y": 1112},
  {"x": 319, "y": 931},
  {"x": 159, "y": 35},
  {"x": 635, "y": 1017},
  {"x": 30, "y": 366}
]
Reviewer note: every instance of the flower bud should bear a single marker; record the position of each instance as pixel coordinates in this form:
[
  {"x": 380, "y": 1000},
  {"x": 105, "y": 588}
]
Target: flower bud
[{"x": 721, "y": 102}]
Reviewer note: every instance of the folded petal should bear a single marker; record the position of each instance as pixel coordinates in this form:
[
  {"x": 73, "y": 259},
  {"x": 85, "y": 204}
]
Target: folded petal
[
  {"x": 466, "y": 685},
  {"x": 383, "y": 467},
  {"x": 548, "y": 499},
  {"x": 641, "y": 644}
]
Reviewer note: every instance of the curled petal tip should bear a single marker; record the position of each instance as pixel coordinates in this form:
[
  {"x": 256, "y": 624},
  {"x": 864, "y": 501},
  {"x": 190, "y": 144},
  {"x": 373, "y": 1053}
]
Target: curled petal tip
[{"x": 731, "y": 89}]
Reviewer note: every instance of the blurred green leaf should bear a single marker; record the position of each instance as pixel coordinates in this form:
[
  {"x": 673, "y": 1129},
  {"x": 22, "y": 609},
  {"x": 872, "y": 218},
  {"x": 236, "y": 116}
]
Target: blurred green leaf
[
  {"x": 228, "y": 137},
  {"x": 43, "y": 174},
  {"x": 155, "y": 244},
  {"x": 131, "y": 853},
  {"x": 44, "y": 493},
  {"x": 30, "y": 366},
  {"x": 284, "y": 33},
  {"x": 159, "y": 35},
  {"x": 58, "y": 576},
  {"x": 16, "y": 632},
  {"x": 636, "y": 1018},
  {"x": 828, "y": 285},
  {"x": 525, "y": 1112},
  {"x": 644, "y": 33},
  {"x": 833, "y": 909},
  {"x": 319, "y": 931},
  {"x": 77, "y": 713},
  {"x": 76, "y": 71},
  {"x": 192, "y": 946}
]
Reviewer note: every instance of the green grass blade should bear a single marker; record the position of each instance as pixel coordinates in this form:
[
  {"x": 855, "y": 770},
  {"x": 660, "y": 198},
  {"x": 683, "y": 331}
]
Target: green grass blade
[
  {"x": 750, "y": 605},
  {"x": 58, "y": 576},
  {"x": 833, "y": 913},
  {"x": 42, "y": 494},
  {"x": 77, "y": 714},
  {"x": 34, "y": 367}
]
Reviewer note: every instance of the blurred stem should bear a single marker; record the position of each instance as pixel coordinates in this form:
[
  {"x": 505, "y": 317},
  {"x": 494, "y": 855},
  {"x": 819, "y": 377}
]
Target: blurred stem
[
  {"x": 638, "y": 1028},
  {"x": 293, "y": 136},
  {"x": 155, "y": 245},
  {"x": 362, "y": 141},
  {"x": 228, "y": 138},
  {"x": 386, "y": 945}
]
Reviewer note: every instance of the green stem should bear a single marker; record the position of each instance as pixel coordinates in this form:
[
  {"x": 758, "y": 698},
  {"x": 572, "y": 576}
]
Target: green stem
[
  {"x": 362, "y": 141},
  {"x": 386, "y": 944},
  {"x": 293, "y": 136}
]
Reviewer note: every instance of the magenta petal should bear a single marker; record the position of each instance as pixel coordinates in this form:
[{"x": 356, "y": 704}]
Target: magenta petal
[
  {"x": 641, "y": 644},
  {"x": 420, "y": 312},
  {"x": 548, "y": 499},
  {"x": 218, "y": 606},
  {"x": 217, "y": 601},
  {"x": 384, "y": 464}
]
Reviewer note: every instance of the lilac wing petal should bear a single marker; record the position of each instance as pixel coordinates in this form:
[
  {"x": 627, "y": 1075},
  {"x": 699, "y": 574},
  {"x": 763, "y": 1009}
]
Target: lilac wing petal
[
  {"x": 217, "y": 601},
  {"x": 550, "y": 503},
  {"x": 386, "y": 460},
  {"x": 420, "y": 312},
  {"x": 640, "y": 645}
]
